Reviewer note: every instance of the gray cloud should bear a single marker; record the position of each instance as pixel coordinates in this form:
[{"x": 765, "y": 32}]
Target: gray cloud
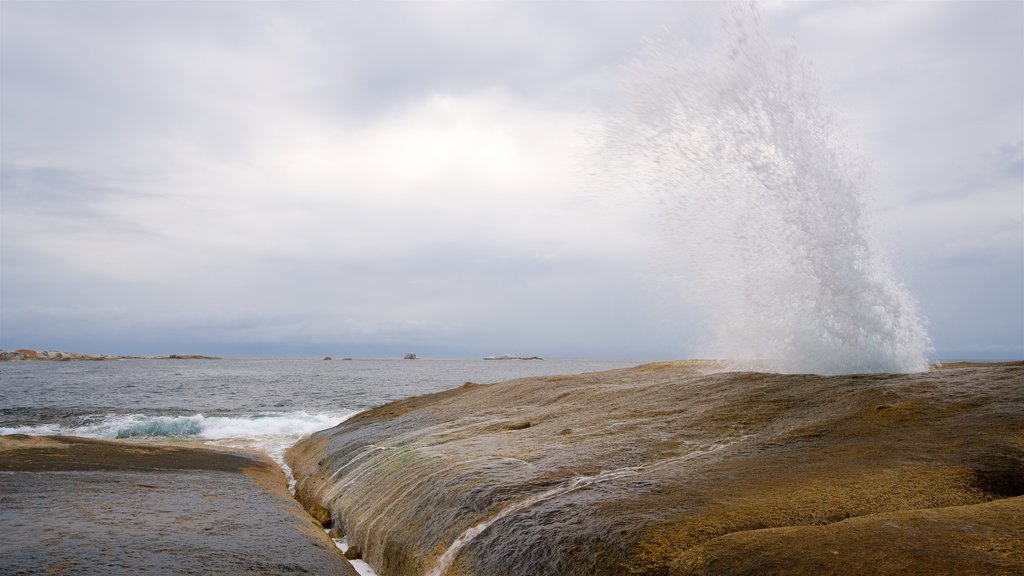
[{"x": 273, "y": 178}]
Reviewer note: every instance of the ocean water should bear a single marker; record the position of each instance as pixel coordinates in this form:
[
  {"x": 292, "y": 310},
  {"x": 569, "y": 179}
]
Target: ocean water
[{"x": 266, "y": 404}]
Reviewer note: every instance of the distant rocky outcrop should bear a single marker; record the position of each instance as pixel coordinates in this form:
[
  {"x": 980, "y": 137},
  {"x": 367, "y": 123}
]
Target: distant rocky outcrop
[
  {"x": 669, "y": 469},
  {"x": 508, "y": 357},
  {"x": 57, "y": 356},
  {"x": 410, "y": 356},
  {"x": 50, "y": 355}
]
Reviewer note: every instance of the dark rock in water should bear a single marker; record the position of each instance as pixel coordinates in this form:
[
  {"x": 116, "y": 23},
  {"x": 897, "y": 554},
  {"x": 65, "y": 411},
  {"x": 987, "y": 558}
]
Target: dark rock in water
[
  {"x": 327, "y": 358},
  {"x": 410, "y": 356},
  {"x": 670, "y": 469},
  {"x": 354, "y": 553}
]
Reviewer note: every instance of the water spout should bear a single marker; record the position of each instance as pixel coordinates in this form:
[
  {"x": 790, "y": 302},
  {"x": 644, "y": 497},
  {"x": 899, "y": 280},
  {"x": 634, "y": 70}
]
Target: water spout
[{"x": 767, "y": 207}]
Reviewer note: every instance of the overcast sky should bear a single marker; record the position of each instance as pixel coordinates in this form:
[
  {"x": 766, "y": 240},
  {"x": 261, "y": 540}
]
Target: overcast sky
[{"x": 358, "y": 178}]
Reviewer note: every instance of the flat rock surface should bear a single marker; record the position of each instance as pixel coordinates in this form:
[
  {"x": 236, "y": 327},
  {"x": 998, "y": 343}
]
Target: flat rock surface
[
  {"x": 681, "y": 468},
  {"x": 85, "y": 506}
]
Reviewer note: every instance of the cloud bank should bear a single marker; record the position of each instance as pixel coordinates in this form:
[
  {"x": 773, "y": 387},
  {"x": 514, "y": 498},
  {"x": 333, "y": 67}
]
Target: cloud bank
[{"x": 367, "y": 178}]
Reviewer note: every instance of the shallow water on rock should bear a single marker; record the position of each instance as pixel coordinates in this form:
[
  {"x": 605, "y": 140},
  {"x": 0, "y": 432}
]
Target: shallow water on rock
[{"x": 149, "y": 522}]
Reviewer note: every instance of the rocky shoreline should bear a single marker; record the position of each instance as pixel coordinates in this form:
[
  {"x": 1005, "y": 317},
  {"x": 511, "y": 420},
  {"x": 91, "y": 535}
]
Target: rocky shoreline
[
  {"x": 26, "y": 355},
  {"x": 677, "y": 468}
]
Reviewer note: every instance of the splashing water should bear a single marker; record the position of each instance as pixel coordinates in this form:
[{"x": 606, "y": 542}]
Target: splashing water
[{"x": 766, "y": 208}]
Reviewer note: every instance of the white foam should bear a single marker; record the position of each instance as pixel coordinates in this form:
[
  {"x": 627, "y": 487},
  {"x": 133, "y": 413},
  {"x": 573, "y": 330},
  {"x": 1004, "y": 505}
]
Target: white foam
[
  {"x": 270, "y": 432},
  {"x": 37, "y": 430},
  {"x": 361, "y": 567}
]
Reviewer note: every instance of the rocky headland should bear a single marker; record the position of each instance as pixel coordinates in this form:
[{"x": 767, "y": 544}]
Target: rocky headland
[{"x": 679, "y": 468}]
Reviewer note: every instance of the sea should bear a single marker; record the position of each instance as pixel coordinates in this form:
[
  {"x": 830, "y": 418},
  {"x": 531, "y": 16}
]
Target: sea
[{"x": 263, "y": 404}]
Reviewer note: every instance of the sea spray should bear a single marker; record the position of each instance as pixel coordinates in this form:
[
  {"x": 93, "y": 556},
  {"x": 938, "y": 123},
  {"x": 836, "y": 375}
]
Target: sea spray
[{"x": 765, "y": 207}]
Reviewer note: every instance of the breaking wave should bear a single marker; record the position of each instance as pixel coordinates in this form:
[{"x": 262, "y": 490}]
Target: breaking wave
[
  {"x": 271, "y": 432},
  {"x": 195, "y": 426}
]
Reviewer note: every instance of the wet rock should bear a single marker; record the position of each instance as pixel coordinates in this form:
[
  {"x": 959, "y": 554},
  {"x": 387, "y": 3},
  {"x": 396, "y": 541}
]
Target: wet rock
[
  {"x": 354, "y": 553},
  {"x": 320, "y": 514},
  {"x": 88, "y": 506},
  {"x": 674, "y": 468}
]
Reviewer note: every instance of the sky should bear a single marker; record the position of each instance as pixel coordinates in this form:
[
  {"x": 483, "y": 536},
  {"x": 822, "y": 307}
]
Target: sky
[{"x": 370, "y": 179}]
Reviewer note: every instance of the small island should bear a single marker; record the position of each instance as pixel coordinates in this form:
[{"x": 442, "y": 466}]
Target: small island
[
  {"x": 509, "y": 357},
  {"x": 180, "y": 357}
]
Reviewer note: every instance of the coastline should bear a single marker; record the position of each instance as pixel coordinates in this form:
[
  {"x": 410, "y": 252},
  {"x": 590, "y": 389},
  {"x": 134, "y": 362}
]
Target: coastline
[
  {"x": 83, "y": 504},
  {"x": 564, "y": 469}
]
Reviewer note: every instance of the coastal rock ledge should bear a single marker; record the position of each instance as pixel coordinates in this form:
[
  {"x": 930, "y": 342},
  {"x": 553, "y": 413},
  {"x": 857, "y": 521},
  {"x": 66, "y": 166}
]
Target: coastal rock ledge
[{"x": 671, "y": 468}]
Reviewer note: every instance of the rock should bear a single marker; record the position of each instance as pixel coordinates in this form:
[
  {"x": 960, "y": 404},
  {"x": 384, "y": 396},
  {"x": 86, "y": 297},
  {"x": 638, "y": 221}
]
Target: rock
[
  {"x": 665, "y": 469},
  {"x": 142, "y": 508},
  {"x": 320, "y": 514},
  {"x": 353, "y": 553},
  {"x": 410, "y": 356},
  {"x": 327, "y": 358}
]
